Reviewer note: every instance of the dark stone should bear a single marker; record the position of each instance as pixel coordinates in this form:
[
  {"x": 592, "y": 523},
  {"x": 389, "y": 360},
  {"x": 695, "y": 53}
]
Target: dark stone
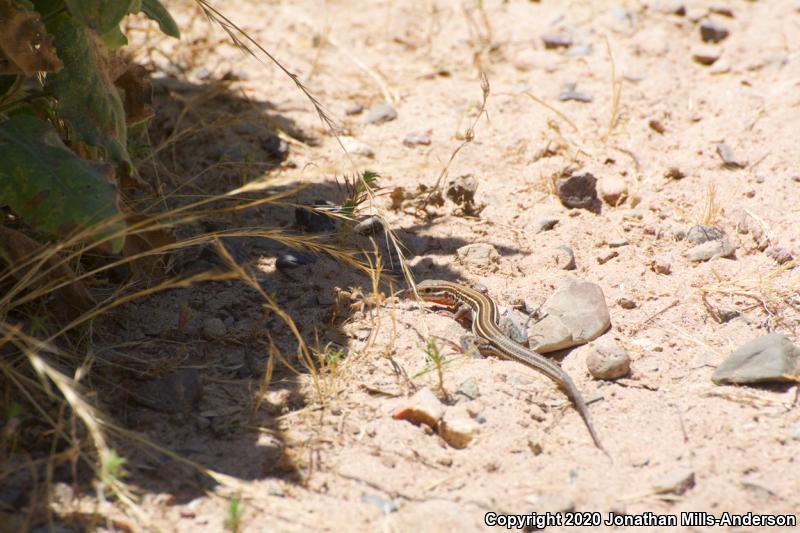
[
  {"x": 314, "y": 221},
  {"x": 294, "y": 259},
  {"x": 578, "y": 190},
  {"x": 712, "y": 32}
]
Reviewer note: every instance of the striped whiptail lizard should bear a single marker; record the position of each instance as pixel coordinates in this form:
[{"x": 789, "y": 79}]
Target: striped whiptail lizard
[{"x": 492, "y": 339}]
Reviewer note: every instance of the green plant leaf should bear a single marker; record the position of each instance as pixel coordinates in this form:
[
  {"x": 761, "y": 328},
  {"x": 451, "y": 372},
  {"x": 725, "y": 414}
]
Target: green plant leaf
[
  {"x": 100, "y": 15},
  {"x": 114, "y": 39},
  {"x": 49, "y": 186},
  {"x": 86, "y": 97},
  {"x": 156, "y": 11}
]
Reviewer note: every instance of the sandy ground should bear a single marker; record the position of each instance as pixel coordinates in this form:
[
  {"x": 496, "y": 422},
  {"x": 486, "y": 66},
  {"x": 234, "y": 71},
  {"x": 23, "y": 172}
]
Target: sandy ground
[{"x": 344, "y": 464}]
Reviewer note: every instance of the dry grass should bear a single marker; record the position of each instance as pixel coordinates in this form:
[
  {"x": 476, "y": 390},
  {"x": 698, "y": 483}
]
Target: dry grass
[{"x": 51, "y": 369}]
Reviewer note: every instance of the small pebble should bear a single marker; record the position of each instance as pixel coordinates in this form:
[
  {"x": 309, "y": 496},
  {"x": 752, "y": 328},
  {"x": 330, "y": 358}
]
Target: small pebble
[
  {"x": 618, "y": 243},
  {"x": 564, "y": 257},
  {"x": 674, "y": 173},
  {"x": 712, "y": 32},
  {"x": 356, "y": 147},
  {"x": 705, "y": 54},
  {"x": 457, "y": 428},
  {"x": 414, "y": 139},
  {"x": 726, "y": 315},
  {"x": 554, "y": 41},
  {"x": 613, "y": 190},
  {"x": 422, "y": 408},
  {"x": 355, "y": 108},
  {"x": 678, "y": 234},
  {"x": 380, "y": 113},
  {"x": 468, "y": 390},
  {"x": 607, "y": 360},
  {"x": 701, "y": 233},
  {"x": 603, "y": 259},
  {"x": 214, "y": 328},
  {"x": 545, "y": 224},
  {"x": 711, "y": 249},
  {"x": 569, "y": 93},
  {"x": 656, "y": 126},
  {"x": 294, "y": 259},
  {"x": 728, "y": 159},
  {"x": 461, "y": 190},
  {"x": 478, "y": 255},
  {"x": 724, "y": 11},
  {"x": 677, "y": 481},
  {"x": 513, "y": 323},
  {"x": 369, "y": 226},
  {"x": 779, "y": 254},
  {"x": 578, "y": 190},
  {"x": 662, "y": 264},
  {"x": 535, "y": 442},
  {"x": 626, "y": 303},
  {"x": 385, "y": 505}
]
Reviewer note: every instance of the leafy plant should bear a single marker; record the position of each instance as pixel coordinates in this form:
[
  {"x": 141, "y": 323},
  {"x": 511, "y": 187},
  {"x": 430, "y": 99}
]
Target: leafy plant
[
  {"x": 63, "y": 125},
  {"x": 357, "y": 190}
]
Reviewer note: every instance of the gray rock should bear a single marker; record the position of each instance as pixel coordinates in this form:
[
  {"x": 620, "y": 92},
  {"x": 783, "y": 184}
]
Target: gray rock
[
  {"x": 711, "y": 249},
  {"x": 711, "y": 31},
  {"x": 513, "y": 324},
  {"x": 564, "y": 257},
  {"x": 415, "y": 139},
  {"x": 356, "y": 147},
  {"x": 385, "y": 505},
  {"x": 768, "y": 359},
  {"x": 729, "y": 161},
  {"x": 214, "y": 328},
  {"x": 176, "y": 392},
  {"x": 578, "y": 190},
  {"x": 545, "y": 224},
  {"x": 575, "y": 314},
  {"x": 478, "y": 255},
  {"x": 608, "y": 360},
  {"x": 779, "y": 254},
  {"x": 369, "y": 226},
  {"x": 468, "y": 390},
  {"x": 380, "y": 113},
  {"x": 570, "y": 93},
  {"x": 676, "y": 481},
  {"x": 700, "y": 233}
]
